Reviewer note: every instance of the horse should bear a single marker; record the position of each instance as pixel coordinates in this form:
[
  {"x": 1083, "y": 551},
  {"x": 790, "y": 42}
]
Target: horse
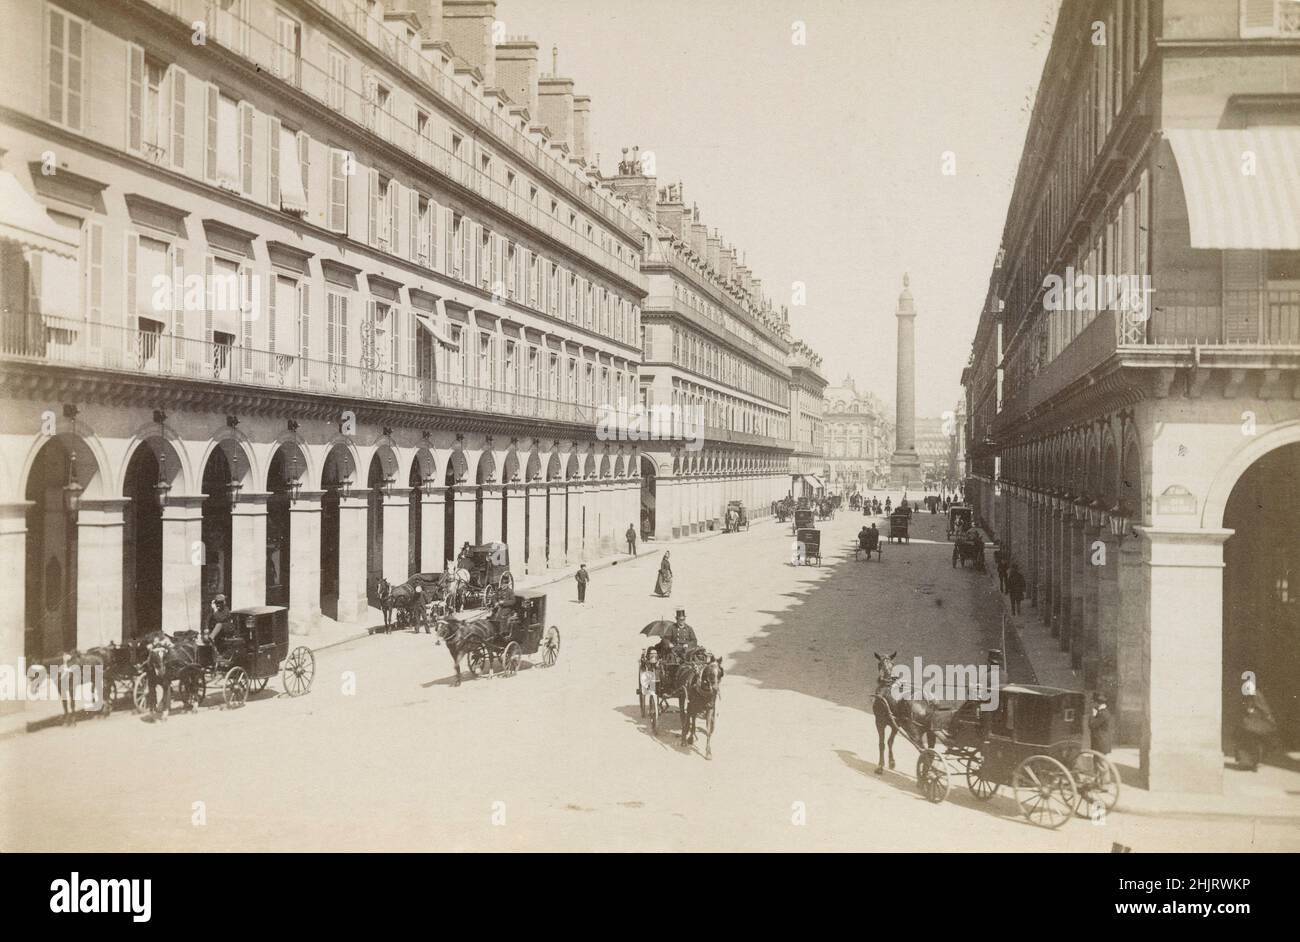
[
  {"x": 77, "y": 669},
  {"x": 460, "y": 636},
  {"x": 914, "y": 717},
  {"x": 700, "y": 694}
]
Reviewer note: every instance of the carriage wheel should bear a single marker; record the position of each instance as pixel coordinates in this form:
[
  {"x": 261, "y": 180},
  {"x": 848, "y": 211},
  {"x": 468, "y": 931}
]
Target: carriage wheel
[
  {"x": 1044, "y": 791},
  {"x": 981, "y": 786},
  {"x": 191, "y": 686},
  {"x": 510, "y": 659},
  {"x": 551, "y": 652},
  {"x": 479, "y": 660},
  {"x": 1098, "y": 783},
  {"x": 932, "y": 776},
  {"x": 489, "y": 596},
  {"x": 235, "y": 688},
  {"x": 140, "y": 693},
  {"x": 299, "y": 671},
  {"x": 654, "y": 714},
  {"x": 507, "y": 584}
]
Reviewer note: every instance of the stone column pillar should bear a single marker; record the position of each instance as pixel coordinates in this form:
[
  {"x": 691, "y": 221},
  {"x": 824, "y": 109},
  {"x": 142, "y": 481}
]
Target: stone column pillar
[
  {"x": 1181, "y": 750},
  {"x": 492, "y": 497},
  {"x": 1094, "y": 561},
  {"x": 1134, "y": 642},
  {"x": 304, "y": 563},
  {"x": 13, "y": 589},
  {"x": 433, "y": 524},
  {"x": 516, "y": 506},
  {"x": 536, "y": 497},
  {"x": 248, "y": 551},
  {"x": 557, "y": 497},
  {"x": 353, "y": 604},
  {"x": 397, "y": 525},
  {"x": 1078, "y": 581},
  {"x": 1107, "y": 619},
  {"x": 182, "y": 563},
  {"x": 905, "y": 464},
  {"x": 1065, "y": 533},
  {"x": 99, "y": 571}
]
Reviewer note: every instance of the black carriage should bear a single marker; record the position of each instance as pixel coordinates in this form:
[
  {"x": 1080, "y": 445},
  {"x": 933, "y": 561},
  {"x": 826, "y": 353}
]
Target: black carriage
[
  {"x": 515, "y": 629},
  {"x": 123, "y": 663},
  {"x": 960, "y": 519},
  {"x": 484, "y": 575},
  {"x": 969, "y": 547},
  {"x": 803, "y": 520},
  {"x": 657, "y": 676},
  {"x": 899, "y": 523},
  {"x": 868, "y": 543},
  {"x": 740, "y": 520},
  {"x": 808, "y": 546},
  {"x": 251, "y": 648},
  {"x": 1032, "y": 741}
]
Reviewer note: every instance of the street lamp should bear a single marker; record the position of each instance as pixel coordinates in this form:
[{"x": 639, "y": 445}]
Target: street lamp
[
  {"x": 73, "y": 489},
  {"x": 162, "y": 487},
  {"x": 345, "y": 488},
  {"x": 294, "y": 484},
  {"x": 427, "y": 484}
]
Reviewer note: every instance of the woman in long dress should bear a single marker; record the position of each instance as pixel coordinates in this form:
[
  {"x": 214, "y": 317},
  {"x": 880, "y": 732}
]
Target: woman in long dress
[{"x": 664, "y": 584}]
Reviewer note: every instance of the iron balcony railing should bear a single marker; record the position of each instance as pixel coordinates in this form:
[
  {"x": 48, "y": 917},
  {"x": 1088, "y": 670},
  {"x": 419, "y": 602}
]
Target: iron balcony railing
[
  {"x": 1269, "y": 316},
  {"x": 75, "y": 342}
]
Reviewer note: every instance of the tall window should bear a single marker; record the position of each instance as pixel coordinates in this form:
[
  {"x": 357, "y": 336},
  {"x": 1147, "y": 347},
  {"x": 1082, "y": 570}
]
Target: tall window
[
  {"x": 338, "y": 82},
  {"x": 288, "y": 49},
  {"x": 64, "y": 68}
]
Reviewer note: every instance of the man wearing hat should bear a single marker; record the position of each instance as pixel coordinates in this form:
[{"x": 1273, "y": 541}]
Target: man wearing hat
[
  {"x": 680, "y": 639},
  {"x": 218, "y": 616},
  {"x": 1099, "y": 725}
]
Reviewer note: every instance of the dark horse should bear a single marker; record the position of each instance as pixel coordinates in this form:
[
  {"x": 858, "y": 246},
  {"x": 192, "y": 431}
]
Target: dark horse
[
  {"x": 700, "y": 694},
  {"x": 78, "y": 669},
  {"x": 914, "y": 717},
  {"x": 460, "y": 636}
]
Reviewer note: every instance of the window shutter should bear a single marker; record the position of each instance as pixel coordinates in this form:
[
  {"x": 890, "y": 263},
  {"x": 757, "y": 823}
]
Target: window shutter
[
  {"x": 132, "y": 298},
  {"x": 246, "y": 317},
  {"x": 373, "y": 224},
  {"x": 304, "y": 333},
  {"x": 448, "y": 235},
  {"x": 331, "y": 327},
  {"x": 210, "y": 159},
  {"x": 95, "y": 274},
  {"x": 1257, "y": 18},
  {"x": 246, "y": 149},
  {"x": 338, "y": 195},
  {"x": 304, "y": 161},
  {"x": 368, "y": 344},
  {"x": 178, "y": 303},
  {"x": 273, "y": 128},
  {"x": 435, "y": 229},
  {"x": 398, "y": 321},
  {"x": 394, "y": 217},
  {"x": 178, "y": 117},
  {"x": 412, "y": 345},
  {"x": 370, "y": 91},
  {"x": 209, "y": 269},
  {"x": 56, "y": 49},
  {"x": 271, "y": 285},
  {"x": 134, "y": 98},
  {"x": 413, "y": 225}
]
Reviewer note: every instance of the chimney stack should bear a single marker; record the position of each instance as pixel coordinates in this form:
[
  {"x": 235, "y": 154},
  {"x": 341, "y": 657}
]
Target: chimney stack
[
  {"x": 555, "y": 104},
  {"x": 467, "y": 25},
  {"x": 516, "y": 69},
  {"x": 430, "y": 14},
  {"x": 582, "y": 127}
]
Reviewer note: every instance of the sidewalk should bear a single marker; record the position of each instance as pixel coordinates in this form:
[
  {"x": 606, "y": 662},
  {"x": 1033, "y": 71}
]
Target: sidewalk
[
  {"x": 46, "y": 713},
  {"x": 1273, "y": 792}
]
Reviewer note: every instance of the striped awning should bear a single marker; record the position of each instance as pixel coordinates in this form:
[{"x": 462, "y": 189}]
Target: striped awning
[
  {"x": 1242, "y": 187},
  {"x": 23, "y": 220}
]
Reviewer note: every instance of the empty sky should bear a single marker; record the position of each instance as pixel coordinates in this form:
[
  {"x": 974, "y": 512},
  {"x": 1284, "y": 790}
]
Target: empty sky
[{"x": 823, "y": 162}]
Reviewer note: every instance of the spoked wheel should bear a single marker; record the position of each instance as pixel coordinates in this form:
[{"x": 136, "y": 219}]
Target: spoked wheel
[
  {"x": 235, "y": 688},
  {"x": 507, "y": 584},
  {"x": 191, "y": 686},
  {"x": 1044, "y": 791},
  {"x": 1098, "y": 782},
  {"x": 140, "y": 693},
  {"x": 932, "y": 776},
  {"x": 489, "y": 596},
  {"x": 551, "y": 645},
  {"x": 479, "y": 660},
  {"x": 654, "y": 714},
  {"x": 510, "y": 659},
  {"x": 979, "y": 784},
  {"x": 298, "y": 672}
]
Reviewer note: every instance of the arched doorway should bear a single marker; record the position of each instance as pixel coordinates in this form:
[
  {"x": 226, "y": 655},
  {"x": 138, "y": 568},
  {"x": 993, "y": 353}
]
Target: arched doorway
[
  {"x": 457, "y": 468},
  {"x": 286, "y": 467},
  {"x": 142, "y": 544},
  {"x": 414, "y": 519},
  {"x": 484, "y": 474},
  {"x": 649, "y": 478},
  {"x": 219, "y": 490},
  {"x": 376, "y": 480},
  {"x": 1261, "y": 591},
  {"x": 50, "y": 623},
  {"x": 336, "y": 476}
]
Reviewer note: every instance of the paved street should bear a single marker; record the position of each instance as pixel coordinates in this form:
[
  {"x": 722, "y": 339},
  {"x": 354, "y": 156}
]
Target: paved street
[{"x": 412, "y": 763}]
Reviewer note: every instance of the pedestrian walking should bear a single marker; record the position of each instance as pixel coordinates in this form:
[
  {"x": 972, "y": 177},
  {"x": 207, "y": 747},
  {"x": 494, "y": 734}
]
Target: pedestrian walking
[
  {"x": 583, "y": 578},
  {"x": 1004, "y": 566},
  {"x": 1099, "y": 725},
  {"x": 1254, "y": 729},
  {"x": 664, "y": 582},
  {"x": 631, "y": 540},
  {"x": 1015, "y": 587}
]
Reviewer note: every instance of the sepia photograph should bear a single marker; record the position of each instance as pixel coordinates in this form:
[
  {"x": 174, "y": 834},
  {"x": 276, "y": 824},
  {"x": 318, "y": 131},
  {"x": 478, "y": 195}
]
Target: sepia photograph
[{"x": 672, "y": 426}]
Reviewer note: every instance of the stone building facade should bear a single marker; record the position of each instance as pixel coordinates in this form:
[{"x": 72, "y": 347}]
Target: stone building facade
[{"x": 859, "y": 436}]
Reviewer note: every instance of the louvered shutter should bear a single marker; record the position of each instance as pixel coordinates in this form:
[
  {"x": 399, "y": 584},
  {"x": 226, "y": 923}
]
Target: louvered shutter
[
  {"x": 304, "y": 333},
  {"x": 338, "y": 194},
  {"x": 413, "y": 225},
  {"x": 131, "y": 307},
  {"x": 394, "y": 197},
  {"x": 178, "y": 117},
  {"x": 210, "y": 149},
  {"x": 448, "y": 237},
  {"x": 373, "y": 224},
  {"x": 304, "y": 162},
  {"x": 178, "y": 303},
  {"x": 272, "y": 284},
  {"x": 134, "y": 98},
  {"x": 209, "y": 270},
  {"x": 95, "y": 276},
  {"x": 1258, "y": 18},
  {"x": 331, "y": 327},
  {"x": 246, "y": 147},
  {"x": 273, "y": 129},
  {"x": 246, "y": 317}
]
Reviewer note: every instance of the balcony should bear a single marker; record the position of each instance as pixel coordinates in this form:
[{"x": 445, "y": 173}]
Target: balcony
[
  {"x": 1268, "y": 317},
  {"x": 74, "y": 342}
]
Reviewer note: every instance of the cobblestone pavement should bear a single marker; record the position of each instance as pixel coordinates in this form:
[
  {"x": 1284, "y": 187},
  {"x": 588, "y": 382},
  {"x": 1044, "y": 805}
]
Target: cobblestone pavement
[{"x": 560, "y": 758}]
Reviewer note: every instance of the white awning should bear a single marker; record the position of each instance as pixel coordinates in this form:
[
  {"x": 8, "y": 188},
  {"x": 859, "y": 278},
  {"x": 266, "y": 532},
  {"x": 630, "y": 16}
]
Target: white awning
[
  {"x": 1242, "y": 187},
  {"x": 23, "y": 220},
  {"x": 426, "y": 321}
]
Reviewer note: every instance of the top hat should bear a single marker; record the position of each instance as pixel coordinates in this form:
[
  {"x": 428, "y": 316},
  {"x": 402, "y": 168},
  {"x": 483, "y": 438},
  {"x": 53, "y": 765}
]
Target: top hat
[{"x": 681, "y": 611}]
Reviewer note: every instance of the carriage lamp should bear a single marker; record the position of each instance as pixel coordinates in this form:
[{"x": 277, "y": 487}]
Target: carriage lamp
[
  {"x": 162, "y": 487},
  {"x": 387, "y": 485},
  {"x": 1120, "y": 518},
  {"x": 345, "y": 488},
  {"x": 295, "y": 480},
  {"x": 233, "y": 489},
  {"x": 427, "y": 484},
  {"x": 72, "y": 490}
]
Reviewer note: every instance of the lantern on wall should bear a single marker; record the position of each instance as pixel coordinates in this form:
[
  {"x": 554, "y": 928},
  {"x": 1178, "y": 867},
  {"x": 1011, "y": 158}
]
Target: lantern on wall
[
  {"x": 72, "y": 490},
  {"x": 162, "y": 487}
]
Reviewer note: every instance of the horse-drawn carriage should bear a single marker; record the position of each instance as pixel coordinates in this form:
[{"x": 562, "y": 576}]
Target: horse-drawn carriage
[
  {"x": 496, "y": 642},
  {"x": 736, "y": 518},
  {"x": 803, "y": 519},
  {"x": 808, "y": 546},
  {"x": 1032, "y": 742},
  {"x": 782, "y": 509},
  {"x": 969, "y": 546},
  {"x": 693, "y": 676},
  {"x": 484, "y": 575},
  {"x": 419, "y": 600},
  {"x": 251, "y": 648},
  {"x": 868, "y": 543},
  {"x": 899, "y": 525},
  {"x": 960, "y": 519}
]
